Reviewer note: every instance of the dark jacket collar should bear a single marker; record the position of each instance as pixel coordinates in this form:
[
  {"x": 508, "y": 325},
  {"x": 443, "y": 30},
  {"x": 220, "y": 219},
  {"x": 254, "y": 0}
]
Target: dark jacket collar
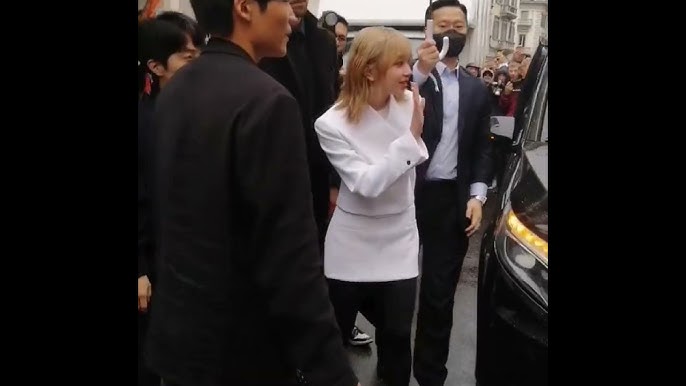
[{"x": 224, "y": 46}]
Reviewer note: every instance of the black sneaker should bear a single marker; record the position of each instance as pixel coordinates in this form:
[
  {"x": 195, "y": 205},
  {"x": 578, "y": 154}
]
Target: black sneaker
[{"x": 359, "y": 338}]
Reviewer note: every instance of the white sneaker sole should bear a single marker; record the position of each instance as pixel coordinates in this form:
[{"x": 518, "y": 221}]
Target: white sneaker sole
[{"x": 360, "y": 342}]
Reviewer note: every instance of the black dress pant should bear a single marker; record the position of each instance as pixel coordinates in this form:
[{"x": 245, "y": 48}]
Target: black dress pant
[
  {"x": 389, "y": 306},
  {"x": 441, "y": 219},
  {"x": 145, "y": 376},
  {"x": 320, "y": 203}
]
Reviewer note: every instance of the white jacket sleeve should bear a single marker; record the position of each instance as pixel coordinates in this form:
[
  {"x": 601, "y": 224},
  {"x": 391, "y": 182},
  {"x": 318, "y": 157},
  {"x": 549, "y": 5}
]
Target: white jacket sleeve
[{"x": 362, "y": 177}]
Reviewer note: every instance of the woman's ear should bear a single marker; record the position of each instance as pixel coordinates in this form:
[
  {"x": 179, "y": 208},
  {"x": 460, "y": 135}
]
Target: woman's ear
[{"x": 370, "y": 73}]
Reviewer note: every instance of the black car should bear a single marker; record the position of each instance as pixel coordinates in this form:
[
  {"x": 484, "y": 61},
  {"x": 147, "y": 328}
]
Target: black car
[{"x": 512, "y": 301}]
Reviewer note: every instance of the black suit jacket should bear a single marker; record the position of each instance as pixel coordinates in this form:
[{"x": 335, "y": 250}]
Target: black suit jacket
[
  {"x": 321, "y": 48},
  {"x": 240, "y": 297},
  {"x": 145, "y": 145},
  {"x": 474, "y": 155}
]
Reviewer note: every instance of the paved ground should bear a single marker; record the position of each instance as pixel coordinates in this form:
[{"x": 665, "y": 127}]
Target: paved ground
[{"x": 463, "y": 338}]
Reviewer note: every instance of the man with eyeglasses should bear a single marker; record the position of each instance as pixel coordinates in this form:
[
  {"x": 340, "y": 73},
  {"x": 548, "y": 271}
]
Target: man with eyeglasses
[
  {"x": 338, "y": 26},
  {"x": 341, "y": 32}
]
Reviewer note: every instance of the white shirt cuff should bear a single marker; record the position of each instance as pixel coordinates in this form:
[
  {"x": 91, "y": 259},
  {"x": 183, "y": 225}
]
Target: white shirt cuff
[{"x": 478, "y": 189}]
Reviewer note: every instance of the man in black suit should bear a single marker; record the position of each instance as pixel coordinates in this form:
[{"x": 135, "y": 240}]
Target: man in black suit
[
  {"x": 240, "y": 297},
  {"x": 452, "y": 186},
  {"x": 309, "y": 71}
]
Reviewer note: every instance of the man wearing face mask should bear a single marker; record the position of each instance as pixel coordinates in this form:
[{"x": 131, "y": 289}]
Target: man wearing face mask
[{"x": 451, "y": 188}]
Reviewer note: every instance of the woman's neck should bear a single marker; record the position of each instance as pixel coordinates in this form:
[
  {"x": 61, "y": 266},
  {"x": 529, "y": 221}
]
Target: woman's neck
[{"x": 378, "y": 99}]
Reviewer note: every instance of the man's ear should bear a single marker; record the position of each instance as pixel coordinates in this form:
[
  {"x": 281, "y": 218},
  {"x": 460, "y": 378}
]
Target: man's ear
[
  {"x": 244, "y": 9},
  {"x": 156, "y": 67}
]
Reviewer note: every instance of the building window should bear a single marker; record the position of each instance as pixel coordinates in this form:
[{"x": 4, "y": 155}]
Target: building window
[
  {"x": 511, "y": 33},
  {"x": 513, "y": 3},
  {"x": 525, "y": 15},
  {"x": 522, "y": 40},
  {"x": 544, "y": 20},
  {"x": 496, "y": 28},
  {"x": 504, "y": 26}
]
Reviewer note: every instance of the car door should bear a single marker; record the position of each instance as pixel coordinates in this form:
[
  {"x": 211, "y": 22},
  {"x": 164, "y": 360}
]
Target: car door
[{"x": 529, "y": 120}]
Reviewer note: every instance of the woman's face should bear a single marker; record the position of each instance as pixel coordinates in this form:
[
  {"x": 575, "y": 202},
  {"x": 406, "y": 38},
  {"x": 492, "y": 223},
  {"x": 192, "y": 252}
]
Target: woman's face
[{"x": 397, "y": 78}]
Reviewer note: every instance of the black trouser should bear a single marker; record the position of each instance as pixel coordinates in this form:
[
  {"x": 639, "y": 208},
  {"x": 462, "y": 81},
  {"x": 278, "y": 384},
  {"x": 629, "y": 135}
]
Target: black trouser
[
  {"x": 389, "y": 306},
  {"x": 441, "y": 220},
  {"x": 145, "y": 376},
  {"x": 320, "y": 202}
]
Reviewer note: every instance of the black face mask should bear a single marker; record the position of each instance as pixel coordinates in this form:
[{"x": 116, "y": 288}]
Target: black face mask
[{"x": 457, "y": 42}]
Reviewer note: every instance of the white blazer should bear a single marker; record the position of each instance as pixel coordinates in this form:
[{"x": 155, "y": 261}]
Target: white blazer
[
  {"x": 373, "y": 234},
  {"x": 375, "y": 157}
]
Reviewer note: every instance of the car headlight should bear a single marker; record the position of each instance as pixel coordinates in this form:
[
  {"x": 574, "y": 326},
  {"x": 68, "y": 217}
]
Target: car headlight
[{"x": 524, "y": 253}]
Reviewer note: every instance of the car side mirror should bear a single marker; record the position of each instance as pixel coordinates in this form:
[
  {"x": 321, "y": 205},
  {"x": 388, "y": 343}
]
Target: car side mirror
[{"x": 502, "y": 126}]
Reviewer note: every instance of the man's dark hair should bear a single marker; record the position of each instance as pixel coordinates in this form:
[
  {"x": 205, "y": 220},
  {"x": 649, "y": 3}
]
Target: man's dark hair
[
  {"x": 157, "y": 40},
  {"x": 216, "y": 16},
  {"x": 341, "y": 19},
  {"x": 444, "y": 3},
  {"x": 186, "y": 23}
]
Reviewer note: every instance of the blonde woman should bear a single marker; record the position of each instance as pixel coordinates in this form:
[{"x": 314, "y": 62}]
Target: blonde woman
[{"x": 372, "y": 136}]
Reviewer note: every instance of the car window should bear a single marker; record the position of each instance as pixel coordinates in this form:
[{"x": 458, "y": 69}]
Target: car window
[{"x": 538, "y": 116}]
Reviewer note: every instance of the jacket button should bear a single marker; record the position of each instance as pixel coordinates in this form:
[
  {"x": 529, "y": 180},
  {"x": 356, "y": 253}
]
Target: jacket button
[{"x": 408, "y": 162}]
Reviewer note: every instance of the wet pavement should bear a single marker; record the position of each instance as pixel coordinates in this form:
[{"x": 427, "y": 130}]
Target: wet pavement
[{"x": 462, "y": 356}]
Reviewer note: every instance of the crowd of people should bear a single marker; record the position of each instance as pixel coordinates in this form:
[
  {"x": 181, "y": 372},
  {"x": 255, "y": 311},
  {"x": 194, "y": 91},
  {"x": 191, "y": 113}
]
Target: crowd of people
[
  {"x": 504, "y": 78},
  {"x": 281, "y": 195}
]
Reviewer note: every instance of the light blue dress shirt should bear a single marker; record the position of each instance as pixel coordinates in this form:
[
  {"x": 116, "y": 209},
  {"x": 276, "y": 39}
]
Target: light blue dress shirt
[{"x": 443, "y": 163}]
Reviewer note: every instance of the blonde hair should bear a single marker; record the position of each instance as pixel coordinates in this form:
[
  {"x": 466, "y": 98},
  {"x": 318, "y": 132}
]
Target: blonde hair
[{"x": 373, "y": 48}]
